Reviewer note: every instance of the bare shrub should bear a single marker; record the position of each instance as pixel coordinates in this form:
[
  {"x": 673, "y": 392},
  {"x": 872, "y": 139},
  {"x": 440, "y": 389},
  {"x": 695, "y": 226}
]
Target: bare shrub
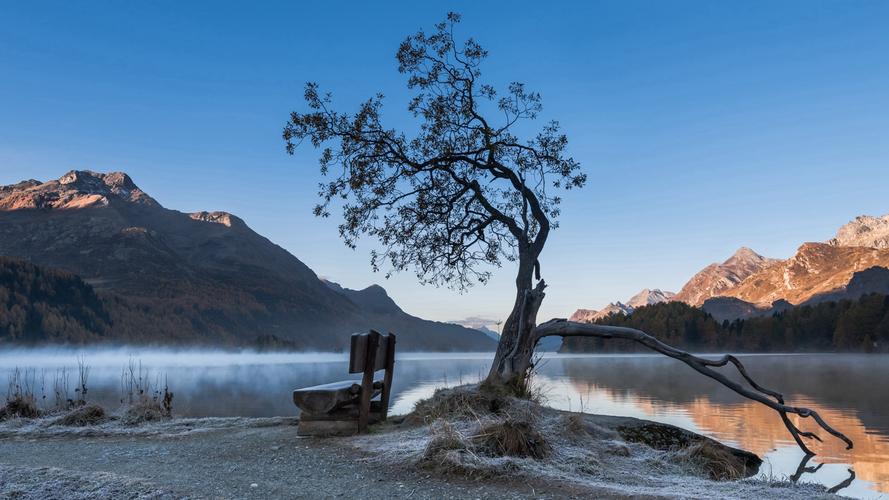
[
  {"x": 142, "y": 403},
  {"x": 62, "y": 399},
  {"x": 20, "y": 399},
  {"x": 83, "y": 372}
]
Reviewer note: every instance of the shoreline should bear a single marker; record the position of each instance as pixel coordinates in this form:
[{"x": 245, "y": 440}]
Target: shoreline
[{"x": 241, "y": 457}]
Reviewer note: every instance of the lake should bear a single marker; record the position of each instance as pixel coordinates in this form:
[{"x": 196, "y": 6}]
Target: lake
[{"x": 850, "y": 391}]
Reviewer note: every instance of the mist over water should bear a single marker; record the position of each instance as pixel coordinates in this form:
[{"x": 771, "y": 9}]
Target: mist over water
[{"x": 850, "y": 392}]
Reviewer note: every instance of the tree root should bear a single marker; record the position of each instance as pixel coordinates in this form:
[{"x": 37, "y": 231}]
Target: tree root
[{"x": 564, "y": 328}]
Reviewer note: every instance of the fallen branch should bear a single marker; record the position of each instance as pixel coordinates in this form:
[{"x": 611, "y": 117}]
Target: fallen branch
[{"x": 565, "y": 328}]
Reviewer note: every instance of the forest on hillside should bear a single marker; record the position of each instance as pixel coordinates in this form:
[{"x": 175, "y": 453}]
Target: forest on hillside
[
  {"x": 847, "y": 325},
  {"x": 45, "y": 305},
  {"x": 40, "y": 304}
]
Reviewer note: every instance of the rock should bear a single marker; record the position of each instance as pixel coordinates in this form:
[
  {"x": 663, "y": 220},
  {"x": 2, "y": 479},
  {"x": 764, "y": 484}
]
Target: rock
[{"x": 733, "y": 463}]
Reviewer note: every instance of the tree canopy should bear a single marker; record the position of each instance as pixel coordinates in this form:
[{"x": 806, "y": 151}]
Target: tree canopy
[{"x": 461, "y": 194}]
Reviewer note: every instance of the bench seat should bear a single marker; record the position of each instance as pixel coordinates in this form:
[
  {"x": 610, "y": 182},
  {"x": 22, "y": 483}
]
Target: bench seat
[{"x": 325, "y": 398}]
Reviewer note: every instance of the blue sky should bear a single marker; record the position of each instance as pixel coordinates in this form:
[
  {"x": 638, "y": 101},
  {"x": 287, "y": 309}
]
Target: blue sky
[{"x": 703, "y": 126}]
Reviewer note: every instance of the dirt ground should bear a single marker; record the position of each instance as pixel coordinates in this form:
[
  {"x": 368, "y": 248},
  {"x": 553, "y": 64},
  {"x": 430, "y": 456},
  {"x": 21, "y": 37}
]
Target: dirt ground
[{"x": 225, "y": 461}]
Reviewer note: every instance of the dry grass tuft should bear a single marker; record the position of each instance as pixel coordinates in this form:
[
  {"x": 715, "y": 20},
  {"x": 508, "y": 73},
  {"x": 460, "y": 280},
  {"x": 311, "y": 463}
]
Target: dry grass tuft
[
  {"x": 20, "y": 406},
  {"x": 578, "y": 429},
  {"x": 21, "y": 402},
  {"x": 511, "y": 438},
  {"x": 83, "y": 416},
  {"x": 463, "y": 402},
  {"x": 445, "y": 438},
  {"x": 144, "y": 410},
  {"x": 716, "y": 462},
  {"x": 142, "y": 401}
]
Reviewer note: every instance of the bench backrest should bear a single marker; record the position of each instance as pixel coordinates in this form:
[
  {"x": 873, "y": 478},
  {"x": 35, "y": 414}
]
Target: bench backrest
[
  {"x": 361, "y": 352},
  {"x": 371, "y": 352}
]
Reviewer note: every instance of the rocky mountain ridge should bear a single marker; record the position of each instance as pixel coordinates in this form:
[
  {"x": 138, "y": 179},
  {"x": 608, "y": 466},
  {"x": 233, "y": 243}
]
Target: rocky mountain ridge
[
  {"x": 648, "y": 297},
  {"x": 204, "y": 277},
  {"x": 715, "y": 279},
  {"x": 863, "y": 231},
  {"x": 853, "y": 263},
  {"x": 815, "y": 269}
]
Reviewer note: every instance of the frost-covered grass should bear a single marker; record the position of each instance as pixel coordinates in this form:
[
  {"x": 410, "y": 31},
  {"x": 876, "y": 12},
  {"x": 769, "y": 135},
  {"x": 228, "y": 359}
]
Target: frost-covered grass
[
  {"x": 50, "y": 427},
  {"x": 141, "y": 400},
  {"x": 49, "y": 482},
  {"x": 465, "y": 433}
]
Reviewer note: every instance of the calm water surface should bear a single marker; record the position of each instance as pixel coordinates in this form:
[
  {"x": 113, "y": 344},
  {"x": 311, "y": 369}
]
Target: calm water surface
[{"x": 850, "y": 391}]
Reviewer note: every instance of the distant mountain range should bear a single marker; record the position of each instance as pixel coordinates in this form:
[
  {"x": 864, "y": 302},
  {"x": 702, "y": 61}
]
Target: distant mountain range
[
  {"x": 204, "y": 277},
  {"x": 854, "y": 263},
  {"x": 644, "y": 298}
]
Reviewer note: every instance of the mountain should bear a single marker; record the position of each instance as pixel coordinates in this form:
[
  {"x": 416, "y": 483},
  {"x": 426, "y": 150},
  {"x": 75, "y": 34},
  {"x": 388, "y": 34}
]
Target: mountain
[
  {"x": 815, "y": 269},
  {"x": 648, "y": 297},
  {"x": 715, "y": 279},
  {"x": 730, "y": 308},
  {"x": 583, "y": 315},
  {"x": 202, "y": 277},
  {"x": 590, "y": 315},
  {"x": 853, "y": 264},
  {"x": 644, "y": 298},
  {"x": 383, "y": 314},
  {"x": 490, "y": 333},
  {"x": 864, "y": 231}
]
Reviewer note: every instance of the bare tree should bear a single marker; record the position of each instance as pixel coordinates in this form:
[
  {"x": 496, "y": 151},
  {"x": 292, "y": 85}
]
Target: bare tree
[{"x": 461, "y": 195}]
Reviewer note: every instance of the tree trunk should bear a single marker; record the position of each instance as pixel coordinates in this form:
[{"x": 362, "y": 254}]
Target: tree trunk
[
  {"x": 515, "y": 355},
  {"x": 514, "y": 359}
]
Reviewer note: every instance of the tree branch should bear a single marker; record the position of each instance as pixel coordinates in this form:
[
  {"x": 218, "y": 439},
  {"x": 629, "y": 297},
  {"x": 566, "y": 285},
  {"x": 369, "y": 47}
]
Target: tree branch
[{"x": 564, "y": 328}]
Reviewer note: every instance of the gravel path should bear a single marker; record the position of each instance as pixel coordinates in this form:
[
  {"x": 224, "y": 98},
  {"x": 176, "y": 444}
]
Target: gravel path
[{"x": 234, "y": 461}]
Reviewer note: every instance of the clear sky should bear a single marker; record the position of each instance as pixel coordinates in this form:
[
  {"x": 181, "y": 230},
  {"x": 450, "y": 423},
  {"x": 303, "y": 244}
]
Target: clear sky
[{"x": 703, "y": 126}]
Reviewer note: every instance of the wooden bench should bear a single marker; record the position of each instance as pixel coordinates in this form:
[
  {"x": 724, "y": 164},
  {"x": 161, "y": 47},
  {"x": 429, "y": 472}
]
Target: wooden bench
[{"x": 347, "y": 407}]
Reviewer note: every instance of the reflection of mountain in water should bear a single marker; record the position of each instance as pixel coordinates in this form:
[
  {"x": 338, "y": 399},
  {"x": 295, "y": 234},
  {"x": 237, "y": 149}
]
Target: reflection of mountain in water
[{"x": 847, "y": 391}]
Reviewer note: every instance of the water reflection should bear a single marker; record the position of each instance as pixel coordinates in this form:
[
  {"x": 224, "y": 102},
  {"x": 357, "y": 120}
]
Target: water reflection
[{"x": 850, "y": 392}]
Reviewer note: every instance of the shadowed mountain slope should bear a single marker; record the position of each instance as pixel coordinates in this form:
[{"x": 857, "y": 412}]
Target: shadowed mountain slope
[{"x": 204, "y": 277}]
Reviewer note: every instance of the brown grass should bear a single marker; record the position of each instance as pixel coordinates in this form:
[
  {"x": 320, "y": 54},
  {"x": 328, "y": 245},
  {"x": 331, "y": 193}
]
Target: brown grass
[
  {"x": 20, "y": 406},
  {"x": 142, "y": 401},
  {"x": 577, "y": 429},
  {"x": 144, "y": 410},
  {"x": 511, "y": 438},
  {"x": 20, "y": 399},
  {"x": 718, "y": 463},
  {"x": 463, "y": 402},
  {"x": 444, "y": 438},
  {"x": 83, "y": 416}
]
